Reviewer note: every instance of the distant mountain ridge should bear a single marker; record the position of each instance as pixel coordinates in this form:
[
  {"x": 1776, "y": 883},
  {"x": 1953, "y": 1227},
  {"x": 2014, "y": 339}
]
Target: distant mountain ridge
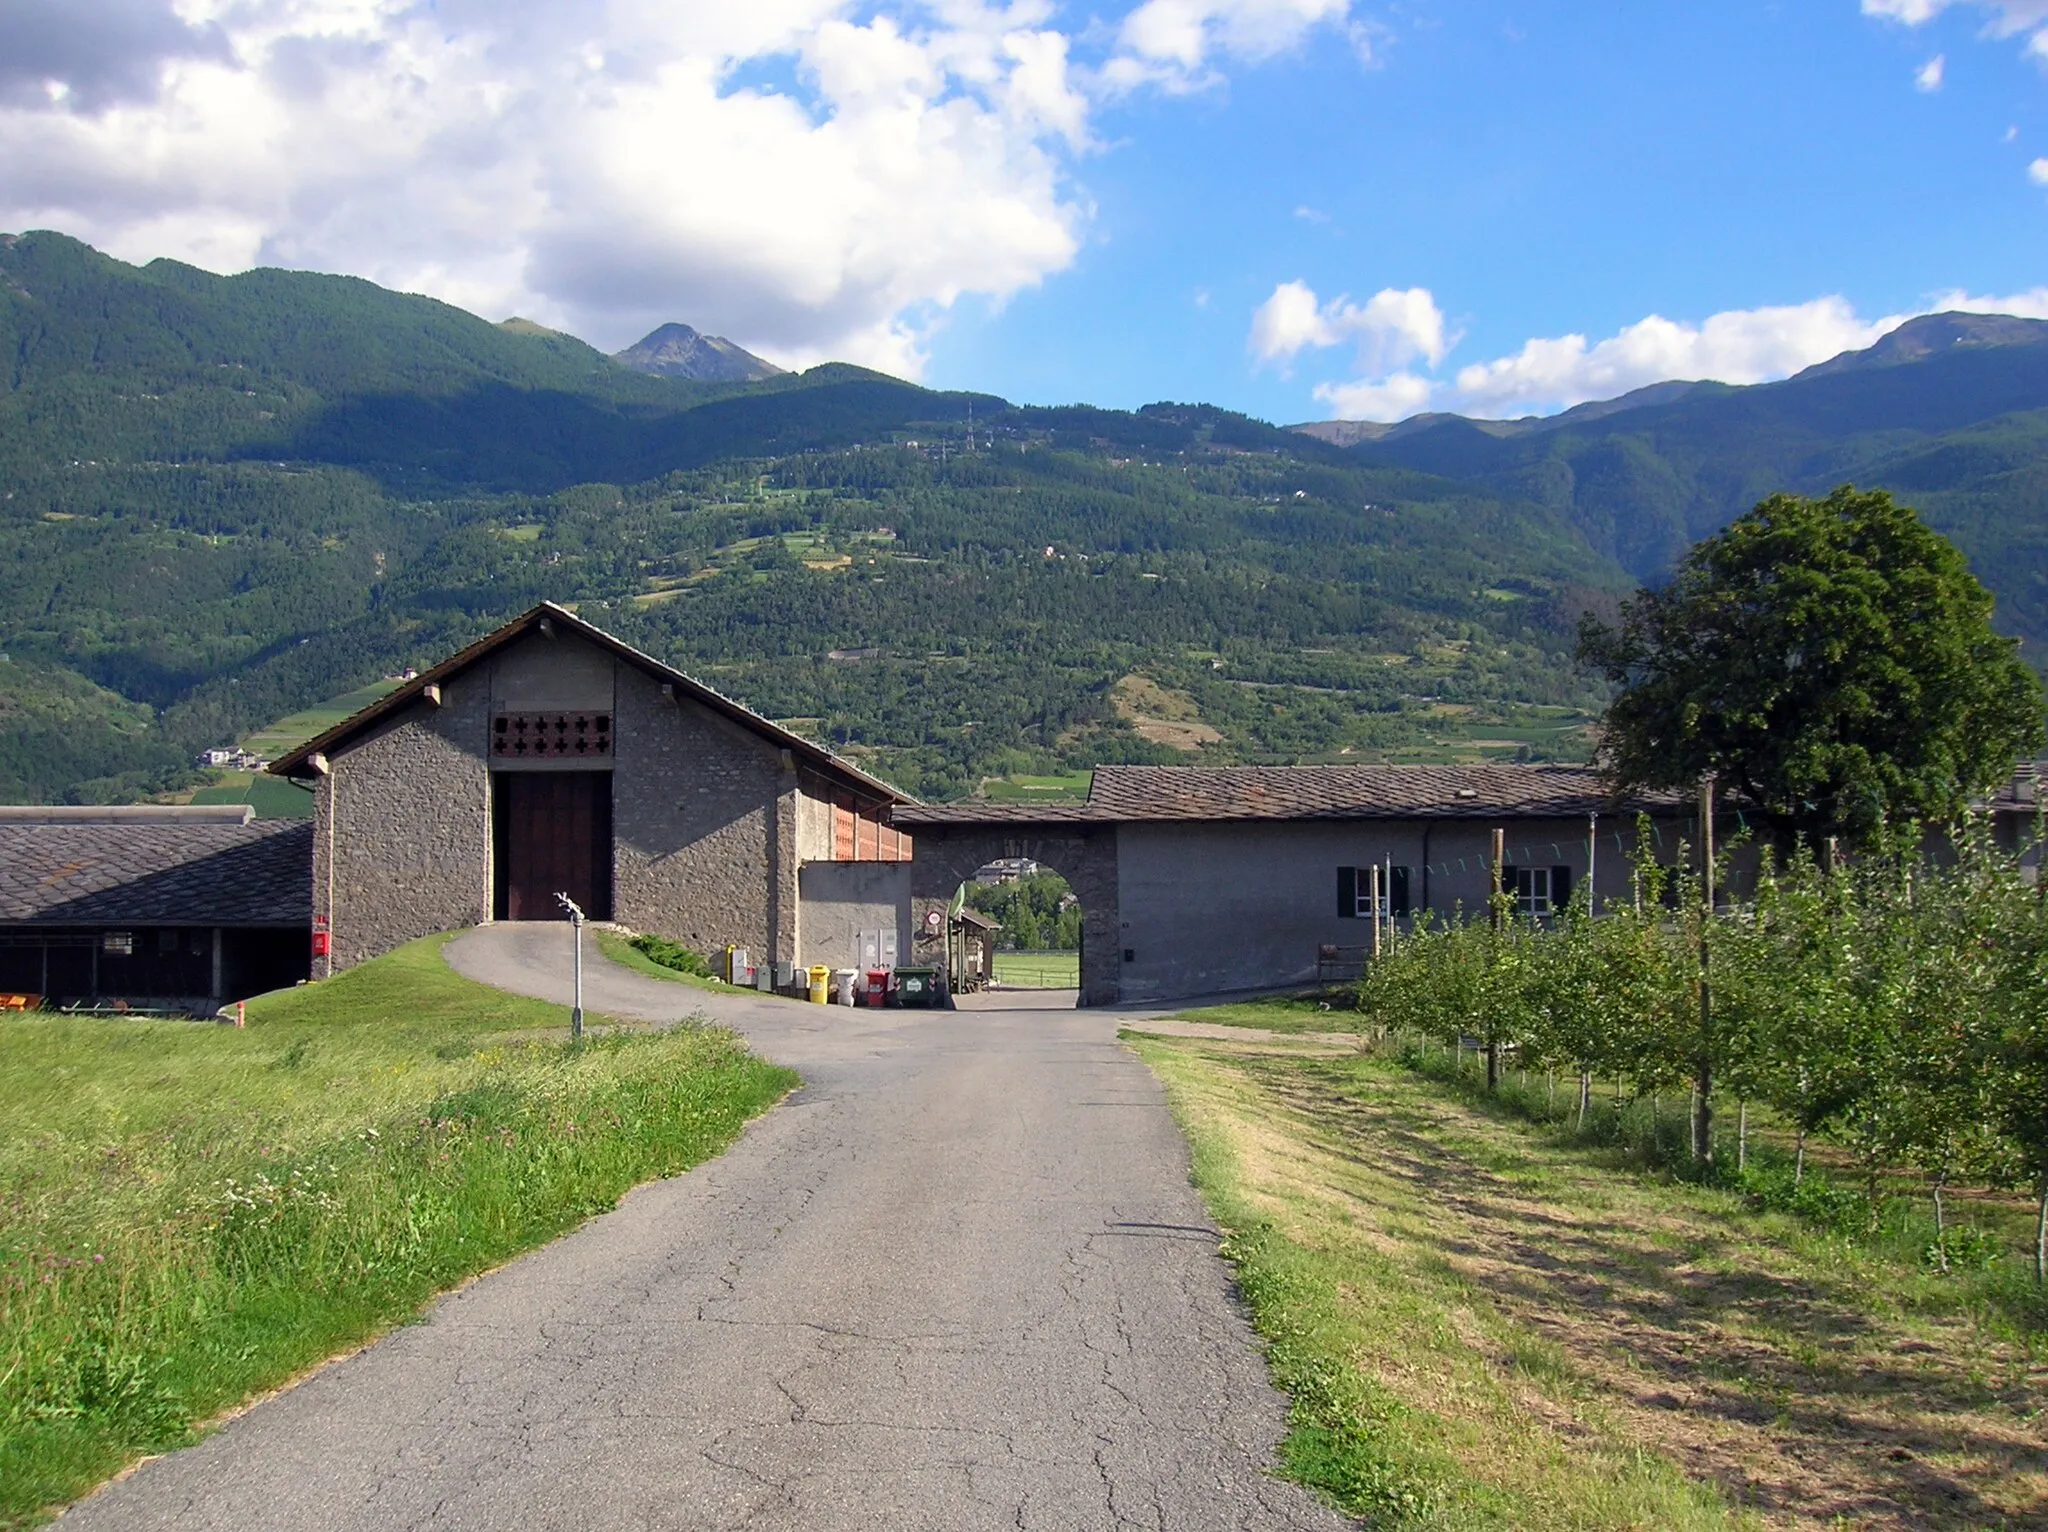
[
  {"x": 1950, "y": 411},
  {"x": 677, "y": 351},
  {"x": 1931, "y": 334},
  {"x": 224, "y": 498}
]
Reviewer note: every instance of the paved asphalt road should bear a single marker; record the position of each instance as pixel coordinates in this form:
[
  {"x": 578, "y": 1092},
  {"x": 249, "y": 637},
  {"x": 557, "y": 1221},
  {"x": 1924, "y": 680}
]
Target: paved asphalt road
[{"x": 958, "y": 1281}]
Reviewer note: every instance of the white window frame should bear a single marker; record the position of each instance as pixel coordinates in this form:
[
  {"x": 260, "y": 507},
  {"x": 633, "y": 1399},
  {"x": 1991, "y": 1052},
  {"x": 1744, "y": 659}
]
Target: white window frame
[
  {"x": 1533, "y": 887},
  {"x": 1362, "y": 896}
]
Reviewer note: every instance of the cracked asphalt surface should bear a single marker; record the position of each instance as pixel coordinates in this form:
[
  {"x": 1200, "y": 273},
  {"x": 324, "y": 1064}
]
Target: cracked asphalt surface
[{"x": 958, "y": 1281}]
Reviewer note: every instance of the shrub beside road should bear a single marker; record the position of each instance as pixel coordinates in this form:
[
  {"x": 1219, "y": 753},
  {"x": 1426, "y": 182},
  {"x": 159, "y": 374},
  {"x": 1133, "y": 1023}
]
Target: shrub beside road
[{"x": 194, "y": 1214}]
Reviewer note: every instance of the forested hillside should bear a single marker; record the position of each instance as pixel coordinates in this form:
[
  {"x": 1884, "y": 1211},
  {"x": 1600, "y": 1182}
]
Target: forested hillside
[
  {"x": 1949, "y": 411},
  {"x": 223, "y": 499}
]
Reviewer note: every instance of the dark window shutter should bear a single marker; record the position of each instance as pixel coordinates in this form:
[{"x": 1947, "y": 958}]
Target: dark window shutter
[
  {"x": 1347, "y": 893},
  {"x": 1507, "y": 877},
  {"x": 1399, "y": 900},
  {"x": 1560, "y": 887}
]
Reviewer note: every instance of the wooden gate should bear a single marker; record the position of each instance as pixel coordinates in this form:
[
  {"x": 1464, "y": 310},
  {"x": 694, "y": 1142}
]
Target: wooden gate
[{"x": 553, "y": 834}]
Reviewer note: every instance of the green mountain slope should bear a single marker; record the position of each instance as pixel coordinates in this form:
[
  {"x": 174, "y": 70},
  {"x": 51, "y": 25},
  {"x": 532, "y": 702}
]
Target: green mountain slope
[
  {"x": 222, "y": 499},
  {"x": 225, "y": 499},
  {"x": 1950, "y": 411}
]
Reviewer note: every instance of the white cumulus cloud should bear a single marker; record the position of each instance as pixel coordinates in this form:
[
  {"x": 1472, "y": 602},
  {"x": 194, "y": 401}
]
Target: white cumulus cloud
[
  {"x": 813, "y": 178},
  {"x": 2008, "y": 17},
  {"x": 1390, "y": 398},
  {"x": 1392, "y": 328},
  {"x": 2031, "y": 304},
  {"x": 1737, "y": 346},
  {"x": 1930, "y": 74},
  {"x": 1404, "y": 377},
  {"x": 2005, "y": 18},
  {"x": 1173, "y": 43}
]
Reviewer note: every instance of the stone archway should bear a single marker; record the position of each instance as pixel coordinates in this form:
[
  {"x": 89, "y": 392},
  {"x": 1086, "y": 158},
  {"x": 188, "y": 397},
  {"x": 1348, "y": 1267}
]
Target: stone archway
[{"x": 947, "y": 855}]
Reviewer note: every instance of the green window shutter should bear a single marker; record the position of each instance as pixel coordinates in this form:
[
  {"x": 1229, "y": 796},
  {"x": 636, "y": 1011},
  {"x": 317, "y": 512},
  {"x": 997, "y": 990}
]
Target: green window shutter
[{"x": 1347, "y": 893}]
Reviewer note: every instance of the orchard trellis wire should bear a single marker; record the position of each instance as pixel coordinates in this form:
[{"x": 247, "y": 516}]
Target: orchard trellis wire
[{"x": 1894, "y": 1003}]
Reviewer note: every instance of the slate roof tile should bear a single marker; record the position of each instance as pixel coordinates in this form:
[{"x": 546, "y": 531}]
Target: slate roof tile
[
  {"x": 1155, "y": 793},
  {"x": 258, "y": 874}
]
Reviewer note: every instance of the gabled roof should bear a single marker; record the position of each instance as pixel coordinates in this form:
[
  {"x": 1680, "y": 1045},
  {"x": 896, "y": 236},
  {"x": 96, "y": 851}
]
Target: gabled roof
[
  {"x": 156, "y": 873},
  {"x": 812, "y": 754},
  {"x": 1128, "y": 794}
]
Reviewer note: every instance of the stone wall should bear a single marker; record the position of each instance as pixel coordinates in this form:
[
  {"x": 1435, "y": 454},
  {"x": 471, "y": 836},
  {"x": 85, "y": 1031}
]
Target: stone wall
[
  {"x": 704, "y": 820},
  {"x": 1085, "y": 855},
  {"x": 402, "y": 828}
]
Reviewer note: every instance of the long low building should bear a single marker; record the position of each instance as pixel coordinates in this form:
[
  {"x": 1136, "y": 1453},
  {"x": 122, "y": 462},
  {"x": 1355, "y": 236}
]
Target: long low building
[
  {"x": 1200, "y": 881},
  {"x": 170, "y": 908},
  {"x": 551, "y": 759}
]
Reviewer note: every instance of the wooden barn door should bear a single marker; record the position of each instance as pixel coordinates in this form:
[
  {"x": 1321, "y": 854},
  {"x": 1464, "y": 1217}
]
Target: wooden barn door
[{"x": 554, "y": 835}]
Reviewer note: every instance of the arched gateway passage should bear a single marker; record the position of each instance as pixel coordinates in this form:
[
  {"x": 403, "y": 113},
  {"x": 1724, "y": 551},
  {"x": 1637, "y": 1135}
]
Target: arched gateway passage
[{"x": 954, "y": 840}]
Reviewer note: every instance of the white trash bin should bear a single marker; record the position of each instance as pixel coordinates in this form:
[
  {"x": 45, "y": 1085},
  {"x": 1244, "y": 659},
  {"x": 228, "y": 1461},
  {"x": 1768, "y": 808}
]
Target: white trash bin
[{"x": 843, "y": 980}]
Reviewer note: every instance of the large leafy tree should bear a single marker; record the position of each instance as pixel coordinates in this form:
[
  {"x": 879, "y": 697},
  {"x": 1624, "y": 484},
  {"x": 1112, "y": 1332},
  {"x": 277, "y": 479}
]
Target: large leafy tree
[{"x": 1831, "y": 660}]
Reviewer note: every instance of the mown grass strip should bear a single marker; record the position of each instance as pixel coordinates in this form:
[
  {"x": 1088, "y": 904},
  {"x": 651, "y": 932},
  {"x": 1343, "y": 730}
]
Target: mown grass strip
[
  {"x": 193, "y": 1214},
  {"x": 1414, "y": 1402}
]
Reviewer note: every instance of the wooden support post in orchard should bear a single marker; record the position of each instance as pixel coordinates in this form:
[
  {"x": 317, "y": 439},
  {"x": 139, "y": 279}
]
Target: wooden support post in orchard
[
  {"x": 1703, "y": 1083},
  {"x": 1498, "y": 904},
  {"x": 1372, "y": 883}
]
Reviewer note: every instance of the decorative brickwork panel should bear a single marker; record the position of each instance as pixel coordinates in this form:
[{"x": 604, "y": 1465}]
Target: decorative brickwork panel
[{"x": 551, "y": 736}]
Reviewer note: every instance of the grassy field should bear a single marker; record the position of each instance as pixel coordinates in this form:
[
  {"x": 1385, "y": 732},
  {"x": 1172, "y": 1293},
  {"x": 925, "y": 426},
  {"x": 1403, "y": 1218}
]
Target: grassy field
[
  {"x": 1071, "y": 787},
  {"x": 275, "y": 739},
  {"x": 1038, "y": 970},
  {"x": 272, "y": 797},
  {"x": 1485, "y": 1325},
  {"x": 191, "y": 1214}
]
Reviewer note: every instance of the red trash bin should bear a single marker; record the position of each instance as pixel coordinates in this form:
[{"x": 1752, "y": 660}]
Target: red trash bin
[{"x": 875, "y": 987}]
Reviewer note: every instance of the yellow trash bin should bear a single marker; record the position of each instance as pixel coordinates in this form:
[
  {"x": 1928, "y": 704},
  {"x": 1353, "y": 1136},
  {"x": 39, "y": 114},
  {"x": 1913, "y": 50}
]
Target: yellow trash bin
[{"x": 821, "y": 984}]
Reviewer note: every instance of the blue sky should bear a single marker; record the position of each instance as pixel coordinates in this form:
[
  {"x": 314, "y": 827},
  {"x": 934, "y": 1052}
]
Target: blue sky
[
  {"x": 1300, "y": 208},
  {"x": 1541, "y": 171}
]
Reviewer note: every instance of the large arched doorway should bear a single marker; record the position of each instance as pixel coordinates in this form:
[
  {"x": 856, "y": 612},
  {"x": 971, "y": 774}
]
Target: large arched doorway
[
  {"x": 1018, "y": 929},
  {"x": 948, "y": 854}
]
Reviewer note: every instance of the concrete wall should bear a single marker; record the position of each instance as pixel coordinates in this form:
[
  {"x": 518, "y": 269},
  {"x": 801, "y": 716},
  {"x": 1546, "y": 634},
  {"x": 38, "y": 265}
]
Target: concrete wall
[
  {"x": 1207, "y": 908},
  {"x": 402, "y": 827},
  {"x": 843, "y": 899}
]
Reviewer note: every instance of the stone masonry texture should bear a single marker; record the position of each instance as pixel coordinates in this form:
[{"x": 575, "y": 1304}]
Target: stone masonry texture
[
  {"x": 402, "y": 833},
  {"x": 704, "y": 821}
]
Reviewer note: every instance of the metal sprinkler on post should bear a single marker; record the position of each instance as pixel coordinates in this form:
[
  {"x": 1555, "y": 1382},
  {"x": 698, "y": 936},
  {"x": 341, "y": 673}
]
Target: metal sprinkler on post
[{"x": 575, "y": 926}]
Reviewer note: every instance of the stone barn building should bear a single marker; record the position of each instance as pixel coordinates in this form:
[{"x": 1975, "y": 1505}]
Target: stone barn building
[{"x": 550, "y": 758}]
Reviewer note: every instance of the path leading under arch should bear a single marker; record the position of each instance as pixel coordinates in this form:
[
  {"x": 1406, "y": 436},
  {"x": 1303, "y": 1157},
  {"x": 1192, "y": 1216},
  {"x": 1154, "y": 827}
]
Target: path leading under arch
[{"x": 959, "y": 1281}]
